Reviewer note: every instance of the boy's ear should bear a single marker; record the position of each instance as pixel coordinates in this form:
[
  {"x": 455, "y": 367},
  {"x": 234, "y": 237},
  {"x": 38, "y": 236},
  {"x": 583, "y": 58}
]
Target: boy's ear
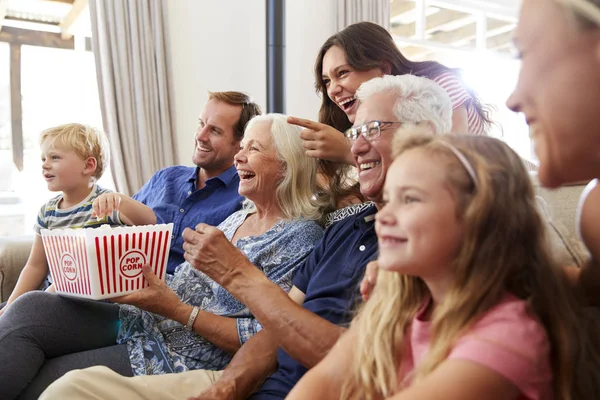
[{"x": 90, "y": 166}]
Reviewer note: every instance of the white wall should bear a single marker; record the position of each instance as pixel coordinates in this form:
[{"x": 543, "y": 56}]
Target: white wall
[
  {"x": 214, "y": 45},
  {"x": 220, "y": 45},
  {"x": 308, "y": 24}
]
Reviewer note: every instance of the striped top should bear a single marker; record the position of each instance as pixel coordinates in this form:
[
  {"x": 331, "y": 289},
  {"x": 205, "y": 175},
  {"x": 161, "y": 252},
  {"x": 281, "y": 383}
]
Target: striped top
[
  {"x": 78, "y": 216},
  {"x": 460, "y": 96}
]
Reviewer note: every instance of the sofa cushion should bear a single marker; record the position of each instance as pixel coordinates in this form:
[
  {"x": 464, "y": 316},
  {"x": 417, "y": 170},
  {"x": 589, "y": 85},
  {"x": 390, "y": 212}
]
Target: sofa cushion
[
  {"x": 559, "y": 207},
  {"x": 14, "y": 252},
  {"x": 566, "y": 248}
]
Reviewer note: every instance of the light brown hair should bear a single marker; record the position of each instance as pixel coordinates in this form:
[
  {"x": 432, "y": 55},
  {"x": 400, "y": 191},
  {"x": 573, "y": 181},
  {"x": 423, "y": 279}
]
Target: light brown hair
[
  {"x": 249, "y": 109},
  {"x": 504, "y": 250}
]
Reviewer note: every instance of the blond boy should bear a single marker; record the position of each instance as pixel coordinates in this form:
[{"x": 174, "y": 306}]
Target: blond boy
[{"x": 74, "y": 157}]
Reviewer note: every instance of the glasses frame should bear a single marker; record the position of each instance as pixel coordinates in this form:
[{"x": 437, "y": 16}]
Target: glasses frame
[{"x": 370, "y": 130}]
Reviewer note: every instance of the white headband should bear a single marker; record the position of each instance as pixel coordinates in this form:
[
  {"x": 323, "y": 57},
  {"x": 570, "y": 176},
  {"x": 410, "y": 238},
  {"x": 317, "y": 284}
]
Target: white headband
[{"x": 463, "y": 160}]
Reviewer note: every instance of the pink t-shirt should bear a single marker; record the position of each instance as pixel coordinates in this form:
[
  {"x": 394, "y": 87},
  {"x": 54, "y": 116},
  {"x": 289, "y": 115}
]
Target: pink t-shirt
[
  {"x": 459, "y": 96},
  {"x": 506, "y": 340}
]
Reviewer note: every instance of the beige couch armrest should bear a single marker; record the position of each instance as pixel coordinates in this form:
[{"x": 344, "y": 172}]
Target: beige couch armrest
[
  {"x": 559, "y": 207},
  {"x": 14, "y": 252}
]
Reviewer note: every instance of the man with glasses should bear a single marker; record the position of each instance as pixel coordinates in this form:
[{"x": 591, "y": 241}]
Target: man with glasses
[{"x": 300, "y": 328}]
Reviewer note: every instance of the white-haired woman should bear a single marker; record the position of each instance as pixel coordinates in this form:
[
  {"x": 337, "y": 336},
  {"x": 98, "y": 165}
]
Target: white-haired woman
[
  {"x": 191, "y": 322},
  {"x": 559, "y": 94}
]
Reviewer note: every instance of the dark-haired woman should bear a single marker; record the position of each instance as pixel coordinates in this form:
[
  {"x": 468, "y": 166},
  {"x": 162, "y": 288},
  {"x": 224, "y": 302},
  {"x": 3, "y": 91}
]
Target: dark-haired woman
[{"x": 360, "y": 52}]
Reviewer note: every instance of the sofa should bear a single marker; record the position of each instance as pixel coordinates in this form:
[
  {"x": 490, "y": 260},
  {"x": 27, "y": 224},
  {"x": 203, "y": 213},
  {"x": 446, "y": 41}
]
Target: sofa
[
  {"x": 14, "y": 252},
  {"x": 559, "y": 207}
]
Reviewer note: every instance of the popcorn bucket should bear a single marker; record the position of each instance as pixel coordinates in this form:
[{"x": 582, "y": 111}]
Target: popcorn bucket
[{"x": 105, "y": 262}]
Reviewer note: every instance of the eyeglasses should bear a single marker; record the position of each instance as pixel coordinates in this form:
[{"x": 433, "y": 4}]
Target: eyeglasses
[{"x": 370, "y": 131}]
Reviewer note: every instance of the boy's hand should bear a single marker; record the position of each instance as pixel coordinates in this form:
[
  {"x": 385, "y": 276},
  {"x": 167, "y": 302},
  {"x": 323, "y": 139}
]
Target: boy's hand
[{"x": 105, "y": 204}]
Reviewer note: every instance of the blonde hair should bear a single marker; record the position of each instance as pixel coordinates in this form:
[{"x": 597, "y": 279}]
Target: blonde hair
[
  {"x": 295, "y": 192},
  {"x": 84, "y": 140},
  {"x": 586, "y": 11},
  {"x": 504, "y": 250}
]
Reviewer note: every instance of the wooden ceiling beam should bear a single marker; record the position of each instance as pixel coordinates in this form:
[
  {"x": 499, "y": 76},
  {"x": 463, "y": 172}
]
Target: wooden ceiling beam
[
  {"x": 435, "y": 22},
  {"x": 501, "y": 41},
  {"x": 60, "y": 1},
  {"x": 496, "y": 29},
  {"x": 34, "y": 38},
  {"x": 399, "y": 7},
  {"x": 66, "y": 24},
  {"x": 35, "y": 21},
  {"x": 465, "y": 34},
  {"x": 2, "y": 11},
  {"x": 415, "y": 53}
]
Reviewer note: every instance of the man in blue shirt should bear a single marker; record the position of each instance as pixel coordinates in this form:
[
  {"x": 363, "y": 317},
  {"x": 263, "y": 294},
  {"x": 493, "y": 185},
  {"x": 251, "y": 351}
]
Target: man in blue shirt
[
  {"x": 300, "y": 328},
  {"x": 208, "y": 193}
]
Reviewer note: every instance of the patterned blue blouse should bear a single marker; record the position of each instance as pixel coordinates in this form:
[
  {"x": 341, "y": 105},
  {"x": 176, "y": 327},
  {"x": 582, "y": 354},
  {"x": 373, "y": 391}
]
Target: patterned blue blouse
[{"x": 158, "y": 345}]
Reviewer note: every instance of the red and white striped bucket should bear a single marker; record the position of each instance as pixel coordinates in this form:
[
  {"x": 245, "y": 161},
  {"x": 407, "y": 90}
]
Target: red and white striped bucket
[{"x": 105, "y": 262}]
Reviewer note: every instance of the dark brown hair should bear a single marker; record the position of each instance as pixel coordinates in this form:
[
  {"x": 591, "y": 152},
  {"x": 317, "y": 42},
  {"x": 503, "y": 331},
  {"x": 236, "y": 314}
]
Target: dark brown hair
[
  {"x": 339, "y": 188},
  {"x": 249, "y": 108},
  {"x": 367, "y": 46}
]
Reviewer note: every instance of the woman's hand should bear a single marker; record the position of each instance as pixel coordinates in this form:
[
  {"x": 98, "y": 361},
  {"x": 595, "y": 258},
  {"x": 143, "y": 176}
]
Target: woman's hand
[
  {"x": 368, "y": 282},
  {"x": 208, "y": 250},
  {"x": 105, "y": 204},
  {"x": 157, "y": 298},
  {"x": 323, "y": 141}
]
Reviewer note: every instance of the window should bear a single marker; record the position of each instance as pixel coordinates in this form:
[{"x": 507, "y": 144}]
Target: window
[
  {"x": 476, "y": 37},
  {"x": 57, "y": 80},
  {"x": 6, "y": 164},
  {"x": 12, "y": 213},
  {"x": 58, "y": 86}
]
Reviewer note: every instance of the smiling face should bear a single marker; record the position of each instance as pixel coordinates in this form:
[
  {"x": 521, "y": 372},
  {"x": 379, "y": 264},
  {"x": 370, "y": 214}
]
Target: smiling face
[
  {"x": 64, "y": 170},
  {"x": 342, "y": 81},
  {"x": 559, "y": 91},
  {"x": 258, "y": 166},
  {"x": 215, "y": 143},
  {"x": 374, "y": 157},
  {"x": 418, "y": 230}
]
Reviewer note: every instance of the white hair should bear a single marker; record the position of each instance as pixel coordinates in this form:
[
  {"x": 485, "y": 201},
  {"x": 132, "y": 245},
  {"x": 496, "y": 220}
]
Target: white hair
[
  {"x": 295, "y": 192},
  {"x": 418, "y": 99}
]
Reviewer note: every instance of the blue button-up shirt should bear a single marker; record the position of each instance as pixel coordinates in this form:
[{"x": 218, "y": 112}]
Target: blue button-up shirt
[
  {"x": 330, "y": 278},
  {"x": 172, "y": 195}
]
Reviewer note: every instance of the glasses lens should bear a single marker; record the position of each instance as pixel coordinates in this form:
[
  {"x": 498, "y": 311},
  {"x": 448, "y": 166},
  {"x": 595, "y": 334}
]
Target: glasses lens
[
  {"x": 373, "y": 130},
  {"x": 351, "y": 133}
]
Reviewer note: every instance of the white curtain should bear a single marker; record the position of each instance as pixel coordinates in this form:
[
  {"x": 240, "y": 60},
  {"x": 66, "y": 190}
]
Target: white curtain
[
  {"x": 352, "y": 11},
  {"x": 128, "y": 38}
]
